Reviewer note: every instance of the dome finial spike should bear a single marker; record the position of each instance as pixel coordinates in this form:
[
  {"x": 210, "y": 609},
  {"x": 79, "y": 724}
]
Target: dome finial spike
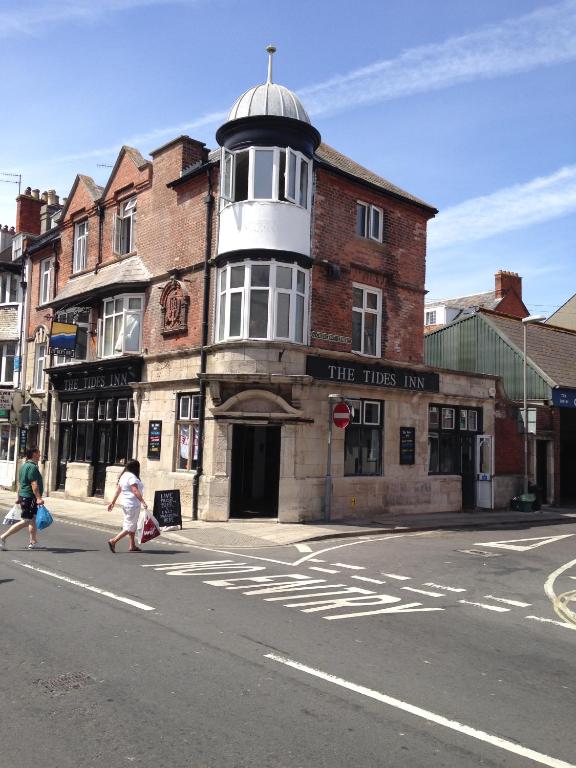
[{"x": 271, "y": 51}]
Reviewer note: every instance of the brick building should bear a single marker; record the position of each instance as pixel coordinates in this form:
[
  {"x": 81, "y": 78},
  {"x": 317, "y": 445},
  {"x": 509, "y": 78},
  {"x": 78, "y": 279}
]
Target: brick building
[{"x": 224, "y": 301}]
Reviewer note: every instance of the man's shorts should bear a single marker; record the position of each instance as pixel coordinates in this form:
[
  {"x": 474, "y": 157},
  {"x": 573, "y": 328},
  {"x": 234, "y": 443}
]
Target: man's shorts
[{"x": 28, "y": 506}]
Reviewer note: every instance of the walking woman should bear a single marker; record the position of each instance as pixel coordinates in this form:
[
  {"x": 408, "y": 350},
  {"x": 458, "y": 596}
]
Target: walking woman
[{"x": 129, "y": 489}]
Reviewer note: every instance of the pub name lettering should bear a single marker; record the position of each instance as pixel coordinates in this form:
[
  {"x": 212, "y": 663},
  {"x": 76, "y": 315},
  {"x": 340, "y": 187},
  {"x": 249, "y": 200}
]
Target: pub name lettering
[
  {"x": 376, "y": 378},
  {"x": 96, "y": 382}
]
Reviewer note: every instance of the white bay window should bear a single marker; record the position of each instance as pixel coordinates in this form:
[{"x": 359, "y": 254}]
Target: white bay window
[
  {"x": 262, "y": 300},
  {"x": 265, "y": 173},
  {"x": 120, "y": 327}
]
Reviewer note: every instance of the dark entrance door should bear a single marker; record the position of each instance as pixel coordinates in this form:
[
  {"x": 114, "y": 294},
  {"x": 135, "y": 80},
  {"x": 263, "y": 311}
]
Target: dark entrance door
[
  {"x": 255, "y": 471},
  {"x": 64, "y": 455},
  {"x": 102, "y": 456},
  {"x": 542, "y": 469}
]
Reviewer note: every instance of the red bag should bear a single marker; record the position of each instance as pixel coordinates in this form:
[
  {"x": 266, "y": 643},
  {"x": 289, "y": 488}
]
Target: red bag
[{"x": 148, "y": 527}]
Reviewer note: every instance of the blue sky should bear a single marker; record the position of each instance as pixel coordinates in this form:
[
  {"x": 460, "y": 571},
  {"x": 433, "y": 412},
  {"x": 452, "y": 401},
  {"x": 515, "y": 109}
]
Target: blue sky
[{"x": 468, "y": 104}]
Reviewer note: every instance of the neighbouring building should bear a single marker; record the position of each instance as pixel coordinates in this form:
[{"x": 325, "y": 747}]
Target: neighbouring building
[
  {"x": 491, "y": 342},
  {"x": 219, "y": 299},
  {"x": 506, "y": 298},
  {"x": 565, "y": 316}
]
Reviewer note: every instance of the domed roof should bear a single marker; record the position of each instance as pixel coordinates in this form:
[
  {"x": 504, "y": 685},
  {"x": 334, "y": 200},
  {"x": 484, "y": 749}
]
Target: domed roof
[{"x": 269, "y": 99}]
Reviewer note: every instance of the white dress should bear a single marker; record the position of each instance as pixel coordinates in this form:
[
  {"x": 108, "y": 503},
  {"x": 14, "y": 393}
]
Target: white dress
[{"x": 128, "y": 501}]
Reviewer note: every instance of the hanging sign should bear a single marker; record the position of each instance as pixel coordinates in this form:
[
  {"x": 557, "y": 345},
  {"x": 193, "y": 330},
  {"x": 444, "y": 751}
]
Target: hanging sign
[
  {"x": 167, "y": 508},
  {"x": 154, "y": 439},
  {"x": 564, "y": 398},
  {"x": 341, "y": 415},
  {"x": 63, "y": 338}
]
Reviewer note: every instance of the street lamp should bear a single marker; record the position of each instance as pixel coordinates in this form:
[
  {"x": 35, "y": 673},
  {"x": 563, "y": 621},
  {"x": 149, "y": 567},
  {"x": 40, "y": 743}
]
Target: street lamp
[{"x": 525, "y": 321}]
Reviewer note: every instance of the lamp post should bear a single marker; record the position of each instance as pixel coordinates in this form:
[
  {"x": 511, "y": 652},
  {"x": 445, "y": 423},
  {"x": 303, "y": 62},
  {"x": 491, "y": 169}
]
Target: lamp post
[{"x": 525, "y": 322}]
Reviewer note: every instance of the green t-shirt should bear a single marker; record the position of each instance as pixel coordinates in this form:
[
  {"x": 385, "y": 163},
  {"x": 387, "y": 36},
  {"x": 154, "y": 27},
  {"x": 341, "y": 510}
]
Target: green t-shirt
[{"x": 28, "y": 472}]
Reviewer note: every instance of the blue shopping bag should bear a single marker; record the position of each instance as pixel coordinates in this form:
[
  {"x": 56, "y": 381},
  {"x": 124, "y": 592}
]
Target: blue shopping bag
[{"x": 43, "y": 518}]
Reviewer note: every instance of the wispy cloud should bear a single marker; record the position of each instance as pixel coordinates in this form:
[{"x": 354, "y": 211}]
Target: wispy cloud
[
  {"x": 515, "y": 207},
  {"x": 544, "y": 37},
  {"x": 30, "y": 17}
]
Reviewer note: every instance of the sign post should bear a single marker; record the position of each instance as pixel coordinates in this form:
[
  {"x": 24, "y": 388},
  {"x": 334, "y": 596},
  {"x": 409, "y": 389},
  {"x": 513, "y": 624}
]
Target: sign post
[{"x": 339, "y": 414}]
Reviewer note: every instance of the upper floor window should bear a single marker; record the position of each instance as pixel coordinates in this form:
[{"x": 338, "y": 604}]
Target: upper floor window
[
  {"x": 266, "y": 173},
  {"x": 9, "y": 288},
  {"x": 39, "y": 362},
  {"x": 120, "y": 328},
  {"x": 81, "y": 318},
  {"x": 80, "y": 260},
  {"x": 46, "y": 280},
  {"x": 259, "y": 300},
  {"x": 7, "y": 355},
  {"x": 366, "y": 319},
  {"x": 17, "y": 247},
  {"x": 430, "y": 317},
  {"x": 369, "y": 221},
  {"x": 124, "y": 227}
]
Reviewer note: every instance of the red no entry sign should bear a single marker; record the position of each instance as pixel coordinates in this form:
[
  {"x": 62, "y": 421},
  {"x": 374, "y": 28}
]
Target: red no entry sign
[{"x": 341, "y": 415}]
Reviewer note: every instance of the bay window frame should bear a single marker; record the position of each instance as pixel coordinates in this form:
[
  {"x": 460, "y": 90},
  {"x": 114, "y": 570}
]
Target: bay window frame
[{"x": 119, "y": 317}]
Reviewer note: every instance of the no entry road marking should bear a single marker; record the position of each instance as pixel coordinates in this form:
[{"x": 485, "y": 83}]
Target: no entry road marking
[
  {"x": 522, "y": 545},
  {"x": 89, "y": 587},
  {"x": 425, "y": 714}
]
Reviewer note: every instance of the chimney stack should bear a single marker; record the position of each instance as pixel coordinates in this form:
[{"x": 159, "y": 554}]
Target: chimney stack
[
  {"x": 507, "y": 282},
  {"x": 6, "y": 237},
  {"x": 28, "y": 208}
]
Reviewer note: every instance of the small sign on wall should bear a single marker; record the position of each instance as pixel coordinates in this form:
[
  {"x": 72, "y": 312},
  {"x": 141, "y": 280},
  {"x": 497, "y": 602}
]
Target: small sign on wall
[
  {"x": 407, "y": 445},
  {"x": 154, "y": 439}
]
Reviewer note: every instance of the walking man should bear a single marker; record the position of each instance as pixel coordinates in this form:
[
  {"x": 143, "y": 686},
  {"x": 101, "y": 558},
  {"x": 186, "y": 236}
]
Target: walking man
[{"x": 30, "y": 490}]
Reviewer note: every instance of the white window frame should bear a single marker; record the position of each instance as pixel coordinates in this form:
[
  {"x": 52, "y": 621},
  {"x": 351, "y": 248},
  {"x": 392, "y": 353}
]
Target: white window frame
[
  {"x": 46, "y": 280},
  {"x": 8, "y": 349},
  {"x": 80, "y": 257},
  {"x": 371, "y": 212},
  {"x": 67, "y": 411},
  {"x": 450, "y": 422},
  {"x": 126, "y": 213},
  {"x": 127, "y": 402},
  {"x": 297, "y": 298},
  {"x": 430, "y": 317},
  {"x": 119, "y": 318},
  {"x": 301, "y": 198},
  {"x": 40, "y": 354},
  {"x": 8, "y": 282},
  {"x": 366, "y": 289},
  {"x": 187, "y": 415},
  {"x": 17, "y": 246}
]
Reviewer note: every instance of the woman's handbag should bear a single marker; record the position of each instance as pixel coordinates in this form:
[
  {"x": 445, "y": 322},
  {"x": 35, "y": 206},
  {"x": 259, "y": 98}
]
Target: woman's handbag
[
  {"x": 147, "y": 528},
  {"x": 14, "y": 515},
  {"x": 43, "y": 518}
]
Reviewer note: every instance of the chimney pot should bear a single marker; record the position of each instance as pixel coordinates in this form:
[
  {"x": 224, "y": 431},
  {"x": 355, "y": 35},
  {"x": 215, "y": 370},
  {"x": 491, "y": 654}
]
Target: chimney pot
[
  {"x": 36, "y": 194},
  {"x": 28, "y": 191}
]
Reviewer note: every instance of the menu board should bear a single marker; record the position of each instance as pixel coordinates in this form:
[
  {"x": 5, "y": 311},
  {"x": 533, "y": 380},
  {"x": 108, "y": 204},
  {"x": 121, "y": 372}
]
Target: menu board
[
  {"x": 154, "y": 439},
  {"x": 22, "y": 441},
  {"x": 167, "y": 508},
  {"x": 407, "y": 445}
]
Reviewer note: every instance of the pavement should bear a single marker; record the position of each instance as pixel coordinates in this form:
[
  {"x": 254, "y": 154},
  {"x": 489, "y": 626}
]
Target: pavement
[{"x": 269, "y": 532}]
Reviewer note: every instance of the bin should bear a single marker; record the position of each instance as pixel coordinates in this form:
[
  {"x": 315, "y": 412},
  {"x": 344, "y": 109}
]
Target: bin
[{"x": 526, "y": 502}]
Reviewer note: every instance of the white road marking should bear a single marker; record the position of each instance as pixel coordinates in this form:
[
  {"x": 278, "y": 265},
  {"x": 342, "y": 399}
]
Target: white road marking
[
  {"x": 496, "y": 608},
  {"x": 562, "y": 610},
  {"x": 518, "y": 545},
  {"x": 324, "y": 570},
  {"x": 508, "y": 602},
  {"x": 89, "y": 587},
  {"x": 396, "y": 576},
  {"x": 366, "y": 578},
  {"x": 303, "y": 547},
  {"x": 404, "y": 608},
  {"x": 454, "y": 725},
  {"x": 352, "y": 567},
  {"x": 316, "y": 560},
  {"x": 423, "y": 592},
  {"x": 441, "y": 586},
  {"x": 361, "y": 541},
  {"x": 552, "y": 621},
  {"x": 479, "y": 552}
]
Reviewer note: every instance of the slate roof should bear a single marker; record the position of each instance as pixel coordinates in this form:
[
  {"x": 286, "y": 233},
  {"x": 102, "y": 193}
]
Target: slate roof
[
  {"x": 6, "y": 255},
  {"x": 43, "y": 240},
  {"x": 551, "y": 348},
  {"x": 126, "y": 273},
  {"x": 486, "y": 300}
]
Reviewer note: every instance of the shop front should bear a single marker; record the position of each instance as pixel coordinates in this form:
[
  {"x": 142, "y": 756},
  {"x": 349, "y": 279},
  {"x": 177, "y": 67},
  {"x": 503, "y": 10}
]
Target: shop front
[{"x": 95, "y": 421}]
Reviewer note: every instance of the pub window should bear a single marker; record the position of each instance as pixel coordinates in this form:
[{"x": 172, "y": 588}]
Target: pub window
[
  {"x": 125, "y": 409},
  {"x": 84, "y": 430},
  {"x": 363, "y": 439},
  {"x": 67, "y": 411},
  {"x": 187, "y": 413},
  {"x": 433, "y": 417},
  {"x": 448, "y": 418},
  {"x": 120, "y": 328}
]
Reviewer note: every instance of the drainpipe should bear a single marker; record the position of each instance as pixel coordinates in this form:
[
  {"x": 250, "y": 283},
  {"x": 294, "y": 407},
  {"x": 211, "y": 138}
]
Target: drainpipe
[{"x": 209, "y": 203}]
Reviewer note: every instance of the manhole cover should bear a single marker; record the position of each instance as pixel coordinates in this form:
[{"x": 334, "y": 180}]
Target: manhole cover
[
  {"x": 480, "y": 552},
  {"x": 64, "y": 683}
]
